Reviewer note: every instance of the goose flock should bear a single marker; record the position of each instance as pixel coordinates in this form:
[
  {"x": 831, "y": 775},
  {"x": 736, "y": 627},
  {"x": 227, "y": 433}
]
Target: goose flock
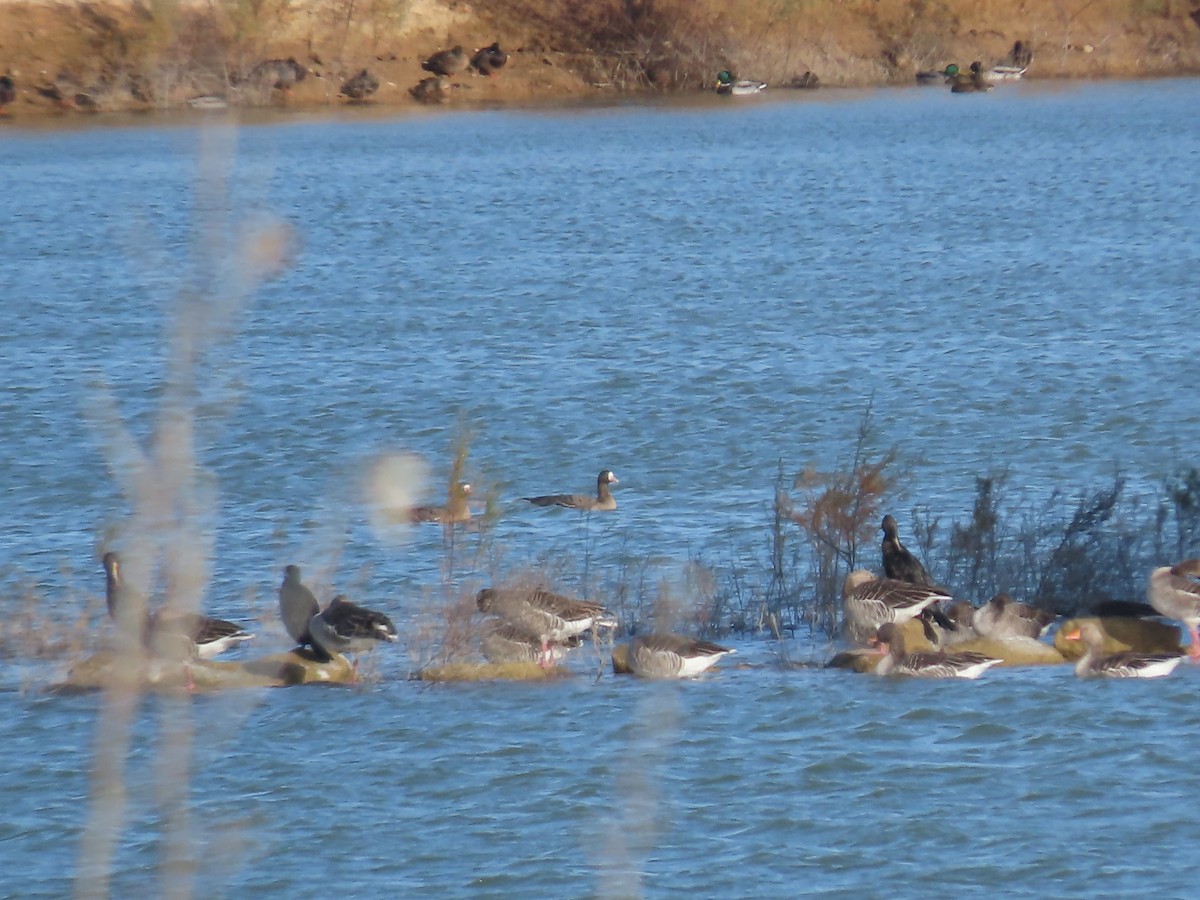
[{"x": 534, "y": 625}]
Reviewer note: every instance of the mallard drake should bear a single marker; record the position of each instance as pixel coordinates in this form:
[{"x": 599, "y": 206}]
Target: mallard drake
[
  {"x": 1129, "y": 664},
  {"x": 181, "y": 633},
  {"x": 728, "y": 84},
  {"x": 604, "y": 499},
  {"x": 890, "y": 640},
  {"x": 869, "y": 602},
  {"x": 345, "y": 627},
  {"x": 488, "y": 60},
  {"x": 457, "y": 509},
  {"x": 966, "y": 82},
  {"x": 1003, "y": 617},
  {"x": 360, "y": 87},
  {"x": 1175, "y": 593},
  {"x": 898, "y": 562},
  {"x": 553, "y": 616},
  {"x": 672, "y": 655},
  {"x": 430, "y": 90},
  {"x": 447, "y": 62}
]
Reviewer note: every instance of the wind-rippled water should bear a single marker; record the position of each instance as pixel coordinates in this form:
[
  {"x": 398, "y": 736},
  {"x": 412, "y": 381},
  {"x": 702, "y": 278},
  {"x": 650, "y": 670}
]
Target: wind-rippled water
[{"x": 694, "y": 297}]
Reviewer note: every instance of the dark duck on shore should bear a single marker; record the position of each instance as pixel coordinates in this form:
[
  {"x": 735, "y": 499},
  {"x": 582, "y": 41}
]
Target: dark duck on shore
[
  {"x": 8, "y": 92},
  {"x": 178, "y": 633},
  {"x": 360, "y": 87},
  {"x": 447, "y": 62},
  {"x": 489, "y": 60},
  {"x": 430, "y": 90},
  {"x": 603, "y": 500},
  {"x": 280, "y": 74}
]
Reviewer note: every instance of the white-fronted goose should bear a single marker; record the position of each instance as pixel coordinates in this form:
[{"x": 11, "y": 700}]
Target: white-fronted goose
[
  {"x": 1130, "y": 664},
  {"x": 345, "y": 627},
  {"x": 896, "y": 661},
  {"x": 504, "y": 642},
  {"x": 1003, "y": 617},
  {"x": 540, "y": 612},
  {"x": 672, "y": 655},
  {"x": 868, "y": 602},
  {"x": 456, "y": 509},
  {"x": 447, "y": 62},
  {"x": 297, "y": 606},
  {"x": 186, "y": 634},
  {"x": 604, "y": 499},
  {"x": 1175, "y": 593},
  {"x": 898, "y": 562}
]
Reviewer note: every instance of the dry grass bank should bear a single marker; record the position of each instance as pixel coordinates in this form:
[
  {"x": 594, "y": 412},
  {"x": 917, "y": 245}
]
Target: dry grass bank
[{"x": 158, "y": 53}]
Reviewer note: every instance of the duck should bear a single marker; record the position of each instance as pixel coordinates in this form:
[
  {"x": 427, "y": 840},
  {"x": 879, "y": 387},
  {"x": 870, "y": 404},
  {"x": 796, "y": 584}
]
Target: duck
[
  {"x": 940, "y": 664},
  {"x": 1174, "y": 592},
  {"x": 297, "y": 606},
  {"x": 1129, "y": 664},
  {"x": 728, "y": 84},
  {"x": 345, "y": 627},
  {"x": 178, "y": 633},
  {"x": 673, "y": 655},
  {"x": 966, "y": 82},
  {"x": 1002, "y": 617},
  {"x": 504, "y": 642},
  {"x": 869, "y": 602},
  {"x": 360, "y": 87},
  {"x": 488, "y": 60},
  {"x": 603, "y": 501},
  {"x": 898, "y": 562},
  {"x": 430, "y": 90},
  {"x": 456, "y": 510},
  {"x": 447, "y": 62},
  {"x": 280, "y": 74},
  {"x": 553, "y": 617}
]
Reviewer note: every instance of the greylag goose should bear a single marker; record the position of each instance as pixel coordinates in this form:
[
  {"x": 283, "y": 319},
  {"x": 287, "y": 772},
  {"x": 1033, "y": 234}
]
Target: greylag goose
[
  {"x": 188, "y": 634},
  {"x": 1118, "y": 665},
  {"x": 896, "y": 661},
  {"x": 504, "y": 642},
  {"x": 604, "y": 499},
  {"x": 345, "y": 627},
  {"x": 488, "y": 60},
  {"x": 960, "y": 630},
  {"x": 868, "y": 602},
  {"x": 539, "y": 612},
  {"x": 447, "y": 62},
  {"x": 898, "y": 562},
  {"x": 360, "y": 87},
  {"x": 297, "y": 606},
  {"x": 1175, "y": 593},
  {"x": 672, "y": 655},
  {"x": 1002, "y": 617},
  {"x": 455, "y": 510}
]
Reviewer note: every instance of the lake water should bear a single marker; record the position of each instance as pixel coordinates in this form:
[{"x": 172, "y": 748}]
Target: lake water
[{"x": 696, "y": 296}]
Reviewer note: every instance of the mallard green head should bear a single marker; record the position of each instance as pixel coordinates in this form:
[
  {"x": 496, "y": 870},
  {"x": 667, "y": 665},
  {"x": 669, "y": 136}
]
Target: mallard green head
[
  {"x": 951, "y": 70},
  {"x": 724, "y": 77}
]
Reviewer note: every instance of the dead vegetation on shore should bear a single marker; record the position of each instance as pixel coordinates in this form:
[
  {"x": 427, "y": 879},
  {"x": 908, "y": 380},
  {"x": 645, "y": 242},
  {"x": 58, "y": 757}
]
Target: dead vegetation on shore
[{"x": 102, "y": 56}]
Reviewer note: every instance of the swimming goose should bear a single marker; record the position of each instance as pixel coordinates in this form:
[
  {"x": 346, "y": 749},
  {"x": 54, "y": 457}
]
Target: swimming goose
[
  {"x": 898, "y": 562},
  {"x": 179, "y": 633},
  {"x": 868, "y": 602},
  {"x": 455, "y": 510},
  {"x": 1175, "y": 593},
  {"x": 1118, "y": 665},
  {"x": 1002, "y": 617},
  {"x": 540, "y": 612},
  {"x": 604, "y": 499},
  {"x": 297, "y": 606},
  {"x": 345, "y": 627},
  {"x": 488, "y": 60},
  {"x": 446, "y": 62},
  {"x": 890, "y": 641},
  {"x": 672, "y": 655},
  {"x": 360, "y": 87},
  {"x": 504, "y": 642}
]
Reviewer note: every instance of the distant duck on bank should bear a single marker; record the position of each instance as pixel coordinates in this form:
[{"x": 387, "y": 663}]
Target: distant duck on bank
[
  {"x": 430, "y": 90},
  {"x": 360, "y": 87},
  {"x": 447, "y": 63},
  {"x": 728, "y": 84},
  {"x": 489, "y": 60}
]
